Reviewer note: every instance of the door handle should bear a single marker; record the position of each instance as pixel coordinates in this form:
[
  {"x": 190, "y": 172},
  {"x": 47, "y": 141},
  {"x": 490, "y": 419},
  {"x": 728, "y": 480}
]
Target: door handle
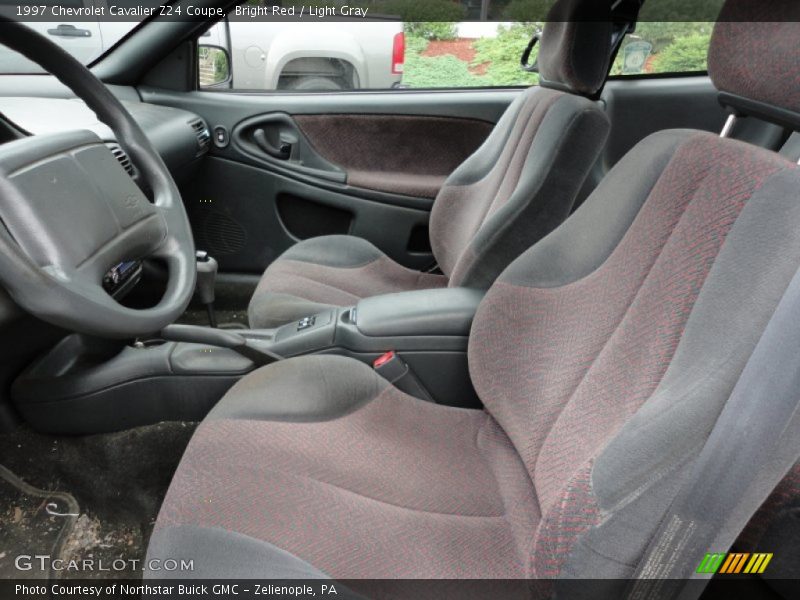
[
  {"x": 64, "y": 30},
  {"x": 282, "y": 152}
]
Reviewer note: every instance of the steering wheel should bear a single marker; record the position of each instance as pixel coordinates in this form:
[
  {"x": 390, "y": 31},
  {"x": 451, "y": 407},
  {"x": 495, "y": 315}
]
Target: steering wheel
[{"x": 70, "y": 212}]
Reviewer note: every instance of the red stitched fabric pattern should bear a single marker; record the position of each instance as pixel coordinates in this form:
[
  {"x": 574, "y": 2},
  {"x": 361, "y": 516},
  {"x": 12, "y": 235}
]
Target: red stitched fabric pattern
[
  {"x": 758, "y": 60},
  {"x": 403, "y": 488},
  {"x": 562, "y": 369},
  {"x": 575, "y": 513},
  {"x": 399, "y": 488}
]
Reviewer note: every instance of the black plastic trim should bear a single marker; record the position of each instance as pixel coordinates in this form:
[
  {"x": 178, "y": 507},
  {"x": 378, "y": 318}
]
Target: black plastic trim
[{"x": 760, "y": 110}]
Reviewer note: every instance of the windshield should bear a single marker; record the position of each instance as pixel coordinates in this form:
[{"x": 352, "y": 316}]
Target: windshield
[{"x": 81, "y": 27}]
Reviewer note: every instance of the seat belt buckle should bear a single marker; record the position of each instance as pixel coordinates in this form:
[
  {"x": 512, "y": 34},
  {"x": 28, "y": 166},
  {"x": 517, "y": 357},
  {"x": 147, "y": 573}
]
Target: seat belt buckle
[{"x": 396, "y": 371}]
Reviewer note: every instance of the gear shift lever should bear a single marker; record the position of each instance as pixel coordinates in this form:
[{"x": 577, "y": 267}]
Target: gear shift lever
[{"x": 206, "y": 276}]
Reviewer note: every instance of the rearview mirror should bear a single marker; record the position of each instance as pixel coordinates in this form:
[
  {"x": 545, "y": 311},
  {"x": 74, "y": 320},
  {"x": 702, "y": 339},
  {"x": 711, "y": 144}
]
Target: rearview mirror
[
  {"x": 213, "y": 67},
  {"x": 525, "y": 61}
]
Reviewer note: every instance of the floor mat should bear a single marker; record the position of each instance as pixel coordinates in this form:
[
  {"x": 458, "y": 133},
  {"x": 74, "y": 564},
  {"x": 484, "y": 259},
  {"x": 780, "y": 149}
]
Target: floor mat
[
  {"x": 118, "y": 480},
  {"x": 232, "y": 299},
  {"x": 33, "y": 522}
]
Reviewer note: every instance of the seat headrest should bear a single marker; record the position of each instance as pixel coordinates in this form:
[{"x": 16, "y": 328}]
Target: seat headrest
[
  {"x": 575, "y": 48},
  {"x": 754, "y": 59}
]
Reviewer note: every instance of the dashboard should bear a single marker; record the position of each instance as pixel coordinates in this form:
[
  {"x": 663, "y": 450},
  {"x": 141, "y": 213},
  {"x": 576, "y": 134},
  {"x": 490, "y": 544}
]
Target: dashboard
[{"x": 181, "y": 137}]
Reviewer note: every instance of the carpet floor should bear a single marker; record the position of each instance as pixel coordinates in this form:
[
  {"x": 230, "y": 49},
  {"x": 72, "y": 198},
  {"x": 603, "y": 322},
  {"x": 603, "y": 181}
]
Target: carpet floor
[{"x": 116, "y": 482}]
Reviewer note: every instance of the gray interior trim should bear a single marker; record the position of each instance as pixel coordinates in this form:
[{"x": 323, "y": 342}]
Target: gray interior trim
[
  {"x": 220, "y": 554},
  {"x": 477, "y": 166},
  {"x": 579, "y": 130},
  {"x": 641, "y": 469},
  {"x": 130, "y": 60},
  {"x": 228, "y": 108},
  {"x": 321, "y": 388},
  {"x": 47, "y": 86},
  {"x": 588, "y": 238},
  {"x": 340, "y": 251},
  {"x": 447, "y": 311}
]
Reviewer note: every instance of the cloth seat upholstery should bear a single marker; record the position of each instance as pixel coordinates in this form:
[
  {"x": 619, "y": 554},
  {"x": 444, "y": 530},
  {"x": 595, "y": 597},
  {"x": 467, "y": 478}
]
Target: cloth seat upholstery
[
  {"x": 603, "y": 356},
  {"x": 518, "y": 186}
]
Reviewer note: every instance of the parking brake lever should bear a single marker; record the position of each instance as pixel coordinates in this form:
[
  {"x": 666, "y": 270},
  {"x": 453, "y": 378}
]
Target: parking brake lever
[{"x": 221, "y": 338}]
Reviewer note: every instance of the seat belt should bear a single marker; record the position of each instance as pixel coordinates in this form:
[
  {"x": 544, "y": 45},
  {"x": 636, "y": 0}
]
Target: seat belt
[{"x": 754, "y": 444}]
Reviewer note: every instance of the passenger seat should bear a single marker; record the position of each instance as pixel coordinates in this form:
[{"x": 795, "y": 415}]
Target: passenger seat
[{"x": 515, "y": 189}]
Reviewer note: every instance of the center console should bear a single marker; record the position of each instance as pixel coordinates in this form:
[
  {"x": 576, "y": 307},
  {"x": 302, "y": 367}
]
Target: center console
[{"x": 85, "y": 385}]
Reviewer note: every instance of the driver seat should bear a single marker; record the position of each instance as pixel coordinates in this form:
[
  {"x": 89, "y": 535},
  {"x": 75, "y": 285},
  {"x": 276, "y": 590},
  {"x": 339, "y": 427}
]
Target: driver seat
[
  {"x": 517, "y": 187},
  {"x": 603, "y": 356}
]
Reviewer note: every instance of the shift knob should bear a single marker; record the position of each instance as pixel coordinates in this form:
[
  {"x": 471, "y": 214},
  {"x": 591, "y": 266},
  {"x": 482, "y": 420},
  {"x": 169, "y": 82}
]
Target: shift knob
[{"x": 206, "y": 277}]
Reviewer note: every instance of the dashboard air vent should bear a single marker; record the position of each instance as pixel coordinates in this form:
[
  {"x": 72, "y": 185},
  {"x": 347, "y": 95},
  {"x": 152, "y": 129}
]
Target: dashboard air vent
[
  {"x": 203, "y": 135},
  {"x": 122, "y": 157}
]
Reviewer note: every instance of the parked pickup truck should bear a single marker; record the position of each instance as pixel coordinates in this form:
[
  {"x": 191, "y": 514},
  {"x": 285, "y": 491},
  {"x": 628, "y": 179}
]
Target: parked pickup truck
[{"x": 303, "y": 56}]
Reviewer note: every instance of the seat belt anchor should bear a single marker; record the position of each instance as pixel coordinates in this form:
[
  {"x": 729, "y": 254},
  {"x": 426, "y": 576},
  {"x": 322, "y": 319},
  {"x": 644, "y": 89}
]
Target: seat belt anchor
[{"x": 396, "y": 371}]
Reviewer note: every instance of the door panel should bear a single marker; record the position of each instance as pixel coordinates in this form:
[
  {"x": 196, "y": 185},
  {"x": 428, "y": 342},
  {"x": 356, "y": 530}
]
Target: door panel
[
  {"x": 406, "y": 154},
  {"x": 274, "y": 140},
  {"x": 369, "y": 163},
  {"x": 246, "y": 217},
  {"x": 298, "y": 166}
]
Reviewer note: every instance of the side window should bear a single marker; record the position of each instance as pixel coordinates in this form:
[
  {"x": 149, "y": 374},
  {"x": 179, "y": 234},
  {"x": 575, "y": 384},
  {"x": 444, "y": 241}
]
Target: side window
[
  {"x": 467, "y": 54},
  {"x": 380, "y": 52},
  {"x": 664, "y": 48}
]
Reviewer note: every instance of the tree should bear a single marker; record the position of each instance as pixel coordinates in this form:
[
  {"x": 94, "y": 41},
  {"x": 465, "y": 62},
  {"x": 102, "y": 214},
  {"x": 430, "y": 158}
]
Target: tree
[
  {"x": 525, "y": 11},
  {"x": 684, "y": 55}
]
